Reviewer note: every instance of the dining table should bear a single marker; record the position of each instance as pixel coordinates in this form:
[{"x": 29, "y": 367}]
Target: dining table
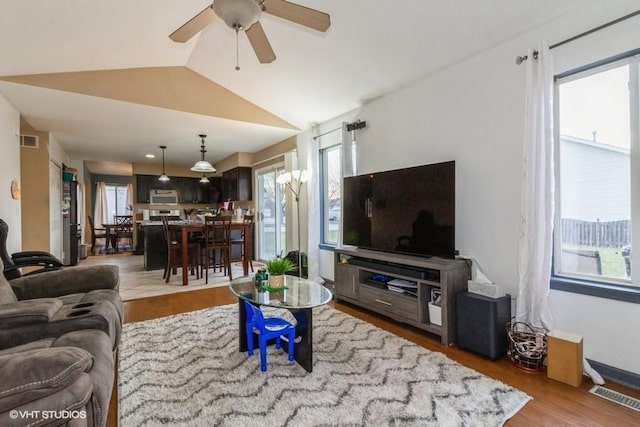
[
  {"x": 193, "y": 226},
  {"x": 108, "y": 229}
]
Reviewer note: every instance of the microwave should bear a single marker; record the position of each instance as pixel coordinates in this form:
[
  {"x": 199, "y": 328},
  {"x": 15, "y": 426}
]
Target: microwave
[{"x": 164, "y": 197}]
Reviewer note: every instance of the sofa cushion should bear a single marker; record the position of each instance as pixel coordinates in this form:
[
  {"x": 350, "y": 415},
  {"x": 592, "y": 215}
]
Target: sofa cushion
[
  {"x": 6, "y": 292},
  {"x": 34, "y": 374}
]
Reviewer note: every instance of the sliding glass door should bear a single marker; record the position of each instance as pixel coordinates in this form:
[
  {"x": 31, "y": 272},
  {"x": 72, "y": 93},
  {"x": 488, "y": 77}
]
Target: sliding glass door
[{"x": 270, "y": 209}]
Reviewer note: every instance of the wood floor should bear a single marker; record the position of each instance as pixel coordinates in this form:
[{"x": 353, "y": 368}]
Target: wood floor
[{"x": 554, "y": 403}]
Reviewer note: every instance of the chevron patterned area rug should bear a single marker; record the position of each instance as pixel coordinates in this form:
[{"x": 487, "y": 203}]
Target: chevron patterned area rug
[{"x": 185, "y": 370}]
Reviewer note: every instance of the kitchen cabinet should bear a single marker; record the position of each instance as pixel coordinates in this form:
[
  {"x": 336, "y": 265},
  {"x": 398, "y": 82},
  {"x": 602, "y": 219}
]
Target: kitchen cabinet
[
  {"x": 143, "y": 187},
  {"x": 190, "y": 190},
  {"x": 146, "y": 183},
  {"x": 237, "y": 184},
  {"x": 187, "y": 189},
  {"x": 194, "y": 191}
]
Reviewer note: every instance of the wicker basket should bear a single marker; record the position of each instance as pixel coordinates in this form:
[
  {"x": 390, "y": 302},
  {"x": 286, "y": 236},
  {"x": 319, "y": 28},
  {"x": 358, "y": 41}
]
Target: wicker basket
[{"x": 527, "y": 346}]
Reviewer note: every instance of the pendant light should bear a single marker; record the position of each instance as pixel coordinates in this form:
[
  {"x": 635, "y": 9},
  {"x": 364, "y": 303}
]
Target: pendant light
[
  {"x": 163, "y": 177},
  {"x": 202, "y": 165},
  {"x": 204, "y": 179}
]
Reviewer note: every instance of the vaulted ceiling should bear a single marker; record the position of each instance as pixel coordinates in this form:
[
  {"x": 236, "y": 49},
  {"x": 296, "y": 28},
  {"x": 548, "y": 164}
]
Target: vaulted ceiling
[{"x": 105, "y": 79}]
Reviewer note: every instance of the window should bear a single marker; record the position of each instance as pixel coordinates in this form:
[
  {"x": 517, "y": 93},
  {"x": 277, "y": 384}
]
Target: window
[
  {"x": 116, "y": 200},
  {"x": 597, "y": 181},
  {"x": 331, "y": 160}
]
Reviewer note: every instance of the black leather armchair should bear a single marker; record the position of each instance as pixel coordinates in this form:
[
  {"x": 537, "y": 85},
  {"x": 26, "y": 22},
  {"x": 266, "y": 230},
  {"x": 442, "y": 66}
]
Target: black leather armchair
[{"x": 13, "y": 264}]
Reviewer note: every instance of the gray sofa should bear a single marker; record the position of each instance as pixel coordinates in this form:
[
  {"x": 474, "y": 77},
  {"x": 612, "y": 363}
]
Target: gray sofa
[
  {"x": 59, "y": 301},
  {"x": 65, "y": 381},
  {"x": 59, "y": 333}
]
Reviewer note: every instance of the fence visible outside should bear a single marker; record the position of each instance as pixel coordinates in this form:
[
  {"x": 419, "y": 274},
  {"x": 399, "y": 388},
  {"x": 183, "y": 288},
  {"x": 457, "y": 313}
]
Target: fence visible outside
[{"x": 611, "y": 234}]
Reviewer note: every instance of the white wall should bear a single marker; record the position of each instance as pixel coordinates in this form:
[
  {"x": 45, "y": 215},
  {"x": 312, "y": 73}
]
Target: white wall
[
  {"x": 10, "y": 170},
  {"x": 473, "y": 113}
]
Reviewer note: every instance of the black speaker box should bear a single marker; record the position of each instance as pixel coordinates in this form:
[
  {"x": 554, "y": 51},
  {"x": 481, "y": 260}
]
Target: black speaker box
[{"x": 482, "y": 323}]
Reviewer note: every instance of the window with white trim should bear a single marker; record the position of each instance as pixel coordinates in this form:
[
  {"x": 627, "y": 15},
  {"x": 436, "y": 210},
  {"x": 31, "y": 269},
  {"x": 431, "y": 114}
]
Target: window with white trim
[{"x": 597, "y": 175}]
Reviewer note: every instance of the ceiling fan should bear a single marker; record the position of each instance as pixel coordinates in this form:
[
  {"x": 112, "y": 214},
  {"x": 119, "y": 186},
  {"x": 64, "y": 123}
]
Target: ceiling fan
[{"x": 244, "y": 15}]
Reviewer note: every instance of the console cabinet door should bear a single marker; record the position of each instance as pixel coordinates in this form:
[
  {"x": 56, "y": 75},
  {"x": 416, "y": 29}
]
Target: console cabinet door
[{"x": 346, "y": 283}]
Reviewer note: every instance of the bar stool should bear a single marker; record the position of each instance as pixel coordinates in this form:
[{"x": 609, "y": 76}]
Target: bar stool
[{"x": 248, "y": 228}]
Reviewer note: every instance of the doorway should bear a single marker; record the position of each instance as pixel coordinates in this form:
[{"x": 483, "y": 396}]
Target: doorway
[{"x": 270, "y": 213}]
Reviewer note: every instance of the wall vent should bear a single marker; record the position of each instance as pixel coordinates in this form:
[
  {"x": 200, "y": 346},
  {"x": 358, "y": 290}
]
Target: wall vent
[{"x": 30, "y": 141}]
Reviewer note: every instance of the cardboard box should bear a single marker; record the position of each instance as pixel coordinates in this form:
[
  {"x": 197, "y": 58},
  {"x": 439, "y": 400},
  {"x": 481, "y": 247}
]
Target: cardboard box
[{"x": 564, "y": 357}]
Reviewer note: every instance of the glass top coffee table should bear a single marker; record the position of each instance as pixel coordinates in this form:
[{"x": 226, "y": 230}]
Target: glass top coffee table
[{"x": 299, "y": 296}]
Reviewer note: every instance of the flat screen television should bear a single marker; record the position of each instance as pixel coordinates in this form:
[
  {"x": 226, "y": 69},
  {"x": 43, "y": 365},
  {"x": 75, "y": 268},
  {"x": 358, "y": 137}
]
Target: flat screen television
[{"x": 405, "y": 211}]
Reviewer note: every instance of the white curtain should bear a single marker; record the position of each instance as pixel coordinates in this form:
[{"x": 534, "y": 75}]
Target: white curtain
[
  {"x": 349, "y": 166},
  {"x": 537, "y": 204},
  {"x": 100, "y": 207},
  {"x": 538, "y": 199},
  {"x": 313, "y": 209},
  {"x": 130, "y": 197}
]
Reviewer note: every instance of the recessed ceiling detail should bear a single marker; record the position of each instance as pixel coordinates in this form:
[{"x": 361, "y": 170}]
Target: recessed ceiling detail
[{"x": 174, "y": 88}]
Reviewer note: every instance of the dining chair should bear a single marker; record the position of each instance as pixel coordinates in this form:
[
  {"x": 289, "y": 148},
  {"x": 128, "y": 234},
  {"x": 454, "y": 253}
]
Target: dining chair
[
  {"x": 267, "y": 329},
  {"x": 217, "y": 245},
  {"x": 123, "y": 230},
  {"x": 174, "y": 253},
  {"x": 96, "y": 233},
  {"x": 248, "y": 228}
]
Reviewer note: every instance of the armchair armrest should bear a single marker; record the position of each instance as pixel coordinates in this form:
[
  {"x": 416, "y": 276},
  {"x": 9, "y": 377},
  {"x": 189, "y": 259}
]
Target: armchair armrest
[
  {"x": 30, "y": 254},
  {"x": 42, "y": 261},
  {"x": 21, "y": 313},
  {"x": 69, "y": 280}
]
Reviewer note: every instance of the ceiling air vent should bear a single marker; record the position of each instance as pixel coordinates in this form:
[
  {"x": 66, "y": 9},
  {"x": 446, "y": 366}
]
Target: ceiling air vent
[{"x": 30, "y": 141}]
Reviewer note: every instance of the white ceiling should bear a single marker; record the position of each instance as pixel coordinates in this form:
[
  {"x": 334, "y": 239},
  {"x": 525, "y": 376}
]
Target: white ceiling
[{"x": 371, "y": 48}]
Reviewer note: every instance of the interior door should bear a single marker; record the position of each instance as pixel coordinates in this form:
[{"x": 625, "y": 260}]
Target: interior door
[{"x": 270, "y": 209}]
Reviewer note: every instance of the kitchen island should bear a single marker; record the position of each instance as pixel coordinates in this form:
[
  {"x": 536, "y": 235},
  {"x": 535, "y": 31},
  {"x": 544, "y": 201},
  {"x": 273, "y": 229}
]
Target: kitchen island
[{"x": 155, "y": 245}]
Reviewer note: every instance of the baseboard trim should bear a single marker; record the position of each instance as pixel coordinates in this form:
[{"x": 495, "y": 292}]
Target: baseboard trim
[{"x": 620, "y": 376}]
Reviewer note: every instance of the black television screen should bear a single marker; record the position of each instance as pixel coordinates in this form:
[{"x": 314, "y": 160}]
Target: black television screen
[{"x": 408, "y": 211}]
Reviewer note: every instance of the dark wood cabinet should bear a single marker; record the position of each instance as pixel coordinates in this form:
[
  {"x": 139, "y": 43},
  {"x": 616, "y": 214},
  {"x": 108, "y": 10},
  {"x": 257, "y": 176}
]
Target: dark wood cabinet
[
  {"x": 215, "y": 189},
  {"x": 187, "y": 189},
  {"x": 190, "y": 190},
  {"x": 237, "y": 184},
  {"x": 143, "y": 187}
]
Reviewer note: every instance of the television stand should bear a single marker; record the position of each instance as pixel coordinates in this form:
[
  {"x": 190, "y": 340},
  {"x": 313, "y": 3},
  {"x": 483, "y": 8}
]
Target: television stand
[{"x": 414, "y": 290}]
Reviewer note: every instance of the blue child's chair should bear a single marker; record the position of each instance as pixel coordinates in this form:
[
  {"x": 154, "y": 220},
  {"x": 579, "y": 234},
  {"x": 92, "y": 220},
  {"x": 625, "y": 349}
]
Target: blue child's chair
[{"x": 267, "y": 328}]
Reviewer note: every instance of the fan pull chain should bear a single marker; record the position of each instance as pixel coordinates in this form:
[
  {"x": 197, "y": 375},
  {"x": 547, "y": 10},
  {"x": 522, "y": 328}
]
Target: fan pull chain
[{"x": 237, "y": 54}]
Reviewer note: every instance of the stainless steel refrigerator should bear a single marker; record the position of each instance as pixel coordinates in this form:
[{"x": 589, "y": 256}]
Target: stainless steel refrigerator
[{"x": 70, "y": 226}]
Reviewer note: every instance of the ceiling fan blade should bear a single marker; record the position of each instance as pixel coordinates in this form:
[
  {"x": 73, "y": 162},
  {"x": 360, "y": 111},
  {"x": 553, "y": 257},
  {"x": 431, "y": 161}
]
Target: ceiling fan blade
[
  {"x": 193, "y": 26},
  {"x": 299, "y": 14},
  {"x": 260, "y": 44}
]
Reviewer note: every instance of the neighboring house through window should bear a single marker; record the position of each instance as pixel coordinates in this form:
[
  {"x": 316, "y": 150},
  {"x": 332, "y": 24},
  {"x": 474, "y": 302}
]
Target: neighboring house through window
[{"x": 597, "y": 184}]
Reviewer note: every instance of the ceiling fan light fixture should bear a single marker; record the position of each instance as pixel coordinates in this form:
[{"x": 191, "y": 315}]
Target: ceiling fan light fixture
[{"x": 234, "y": 13}]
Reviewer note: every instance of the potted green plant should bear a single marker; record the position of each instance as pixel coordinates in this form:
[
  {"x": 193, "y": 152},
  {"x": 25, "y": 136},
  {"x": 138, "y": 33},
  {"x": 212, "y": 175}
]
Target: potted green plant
[{"x": 277, "y": 268}]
